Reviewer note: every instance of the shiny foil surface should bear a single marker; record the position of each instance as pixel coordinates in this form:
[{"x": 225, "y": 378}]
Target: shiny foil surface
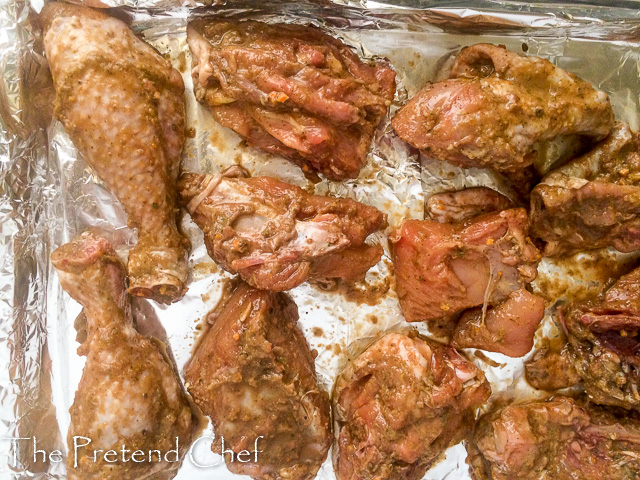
[{"x": 48, "y": 195}]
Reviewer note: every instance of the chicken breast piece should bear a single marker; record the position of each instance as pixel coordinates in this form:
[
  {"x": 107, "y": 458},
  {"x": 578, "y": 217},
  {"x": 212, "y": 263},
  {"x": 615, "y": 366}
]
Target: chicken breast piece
[
  {"x": 122, "y": 105},
  {"x": 399, "y": 405},
  {"x": 605, "y": 338},
  {"x": 254, "y": 375},
  {"x": 498, "y": 108},
  {"x": 442, "y": 269},
  {"x": 129, "y": 394},
  {"x": 275, "y": 235},
  {"x": 508, "y": 328},
  {"x": 555, "y": 440},
  {"x": 459, "y": 206},
  {"x": 593, "y": 201},
  {"x": 291, "y": 90}
]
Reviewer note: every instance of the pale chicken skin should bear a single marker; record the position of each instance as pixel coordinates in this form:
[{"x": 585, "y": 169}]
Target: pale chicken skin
[
  {"x": 462, "y": 205},
  {"x": 555, "y": 440},
  {"x": 498, "y": 108},
  {"x": 291, "y": 90},
  {"x": 508, "y": 328},
  {"x": 604, "y": 334},
  {"x": 442, "y": 269},
  {"x": 400, "y": 404},
  {"x": 593, "y": 201},
  {"x": 122, "y": 105},
  {"x": 128, "y": 394},
  {"x": 254, "y": 375},
  {"x": 275, "y": 235}
]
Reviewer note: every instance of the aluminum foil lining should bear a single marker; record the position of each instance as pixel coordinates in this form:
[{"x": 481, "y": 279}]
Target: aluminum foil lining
[{"x": 49, "y": 194}]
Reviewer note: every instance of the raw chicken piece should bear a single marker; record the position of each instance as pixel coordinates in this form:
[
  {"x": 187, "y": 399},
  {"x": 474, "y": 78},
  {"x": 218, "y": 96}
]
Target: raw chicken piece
[
  {"x": 593, "y": 201},
  {"x": 400, "y": 404},
  {"x": 275, "y": 235},
  {"x": 605, "y": 337},
  {"x": 254, "y": 375},
  {"x": 456, "y": 207},
  {"x": 442, "y": 269},
  {"x": 128, "y": 394},
  {"x": 555, "y": 440},
  {"x": 508, "y": 328},
  {"x": 498, "y": 108},
  {"x": 122, "y": 105},
  {"x": 552, "y": 369},
  {"x": 291, "y": 90}
]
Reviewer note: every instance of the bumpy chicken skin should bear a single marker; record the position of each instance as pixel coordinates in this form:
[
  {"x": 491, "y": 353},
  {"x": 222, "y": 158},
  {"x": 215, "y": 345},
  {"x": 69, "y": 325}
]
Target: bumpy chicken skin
[
  {"x": 399, "y": 405},
  {"x": 459, "y": 206},
  {"x": 291, "y": 90},
  {"x": 275, "y": 235},
  {"x": 498, "y": 107},
  {"x": 593, "y": 201},
  {"x": 442, "y": 269},
  {"x": 254, "y": 375},
  {"x": 128, "y": 394},
  {"x": 122, "y": 105},
  {"x": 605, "y": 338},
  {"x": 555, "y": 440}
]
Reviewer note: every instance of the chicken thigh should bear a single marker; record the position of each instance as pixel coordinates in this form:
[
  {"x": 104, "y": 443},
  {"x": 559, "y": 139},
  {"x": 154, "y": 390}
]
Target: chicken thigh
[
  {"x": 593, "y": 201},
  {"x": 498, "y": 108},
  {"x": 122, "y": 105},
  {"x": 507, "y": 328},
  {"x": 129, "y": 396},
  {"x": 442, "y": 269},
  {"x": 291, "y": 90},
  {"x": 400, "y": 404},
  {"x": 254, "y": 375},
  {"x": 605, "y": 338},
  {"x": 275, "y": 235},
  {"x": 555, "y": 440}
]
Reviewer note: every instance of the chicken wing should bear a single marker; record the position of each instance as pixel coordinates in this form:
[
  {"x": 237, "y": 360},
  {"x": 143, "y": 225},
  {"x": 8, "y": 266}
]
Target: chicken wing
[
  {"x": 593, "y": 201},
  {"x": 442, "y": 269},
  {"x": 399, "y": 405},
  {"x": 275, "y": 235},
  {"x": 291, "y": 90},
  {"x": 498, "y": 108},
  {"x": 122, "y": 105},
  {"x": 254, "y": 375},
  {"x": 557, "y": 439},
  {"x": 129, "y": 397}
]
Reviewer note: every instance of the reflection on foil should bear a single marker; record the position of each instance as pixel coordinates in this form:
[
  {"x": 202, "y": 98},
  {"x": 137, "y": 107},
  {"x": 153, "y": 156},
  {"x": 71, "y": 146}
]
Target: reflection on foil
[{"x": 49, "y": 194}]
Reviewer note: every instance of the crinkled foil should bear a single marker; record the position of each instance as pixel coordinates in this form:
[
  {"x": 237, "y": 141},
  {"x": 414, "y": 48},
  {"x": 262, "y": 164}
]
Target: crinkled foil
[{"x": 49, "y": 194}]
